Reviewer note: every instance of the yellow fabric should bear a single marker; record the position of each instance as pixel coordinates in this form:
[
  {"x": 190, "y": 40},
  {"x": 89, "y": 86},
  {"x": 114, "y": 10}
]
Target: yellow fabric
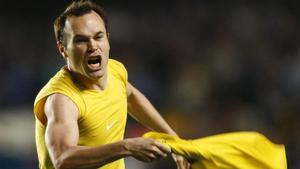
[
  {"x": 102, "y": 113},
  {"x": 237, "y": 150}
]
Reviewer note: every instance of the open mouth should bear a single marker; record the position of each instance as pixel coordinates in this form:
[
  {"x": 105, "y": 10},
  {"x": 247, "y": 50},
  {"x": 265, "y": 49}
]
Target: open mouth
[{"x": 94, "y": 63}]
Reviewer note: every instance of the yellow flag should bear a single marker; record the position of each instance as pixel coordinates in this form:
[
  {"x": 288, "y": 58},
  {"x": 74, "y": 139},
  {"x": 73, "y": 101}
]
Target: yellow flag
[{"x": 237, "y": 150}]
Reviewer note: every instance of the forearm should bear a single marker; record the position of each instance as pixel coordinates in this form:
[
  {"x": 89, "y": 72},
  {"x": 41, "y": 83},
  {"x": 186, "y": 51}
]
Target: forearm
[
  {"x": 143, "y": 111},
  {"x": 91, "y": 157}
]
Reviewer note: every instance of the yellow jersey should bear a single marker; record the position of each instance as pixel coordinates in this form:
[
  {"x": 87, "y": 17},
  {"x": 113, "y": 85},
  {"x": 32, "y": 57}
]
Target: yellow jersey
[
  {"x": 102, "y": 114},
  {"x": 239, "y": 150}
]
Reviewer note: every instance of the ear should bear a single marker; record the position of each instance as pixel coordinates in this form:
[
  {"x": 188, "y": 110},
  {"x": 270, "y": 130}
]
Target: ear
[{"x": 61, "y": 48}]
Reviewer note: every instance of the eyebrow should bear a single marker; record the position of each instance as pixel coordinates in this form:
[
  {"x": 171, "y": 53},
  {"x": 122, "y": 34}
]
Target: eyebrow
[
  {"x": 84, "y": 36},
  {"x": 99, "y": 33}
]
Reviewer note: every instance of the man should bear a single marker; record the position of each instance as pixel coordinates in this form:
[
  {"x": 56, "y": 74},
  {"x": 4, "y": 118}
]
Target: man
[{"x": 81, "y": 112}]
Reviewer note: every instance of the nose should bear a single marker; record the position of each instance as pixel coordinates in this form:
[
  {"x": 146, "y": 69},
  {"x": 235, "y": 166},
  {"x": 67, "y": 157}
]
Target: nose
[{"x": 92, "y": 45}]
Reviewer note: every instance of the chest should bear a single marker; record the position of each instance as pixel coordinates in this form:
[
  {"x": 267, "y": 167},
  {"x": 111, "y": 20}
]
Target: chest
[{"x": 105, "y": 115}]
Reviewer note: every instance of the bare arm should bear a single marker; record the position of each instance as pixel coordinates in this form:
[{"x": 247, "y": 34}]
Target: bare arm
[
  {"x": 62, "y": 136},
  {"x": 143, "y": 111}
]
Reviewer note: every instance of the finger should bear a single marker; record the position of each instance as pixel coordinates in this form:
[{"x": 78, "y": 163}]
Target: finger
[
  {"x": 178, "y": 161},
  {"x": 162, "y": 147},
  {"x": 143, "y": 157},
  {"x": 151, "y": 156},
  {"x": 147, "y": 157},
  {"x": 188, "y": 165},
  {"x": 180, "y": 164},
  {"x": 158, "y": 152}
]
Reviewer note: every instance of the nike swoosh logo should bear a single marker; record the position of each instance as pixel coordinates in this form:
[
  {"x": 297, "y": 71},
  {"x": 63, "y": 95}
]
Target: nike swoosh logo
[{"x": 109, "y": 126}]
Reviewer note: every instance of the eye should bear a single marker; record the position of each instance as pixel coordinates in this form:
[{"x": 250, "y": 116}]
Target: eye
[
  {"x": 99, "y": 37},
  {"x": 80, "y": 40}
]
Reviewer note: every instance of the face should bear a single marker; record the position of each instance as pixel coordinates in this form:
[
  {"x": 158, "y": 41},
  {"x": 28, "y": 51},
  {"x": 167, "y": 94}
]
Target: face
[{"x": 86, "y": 47}]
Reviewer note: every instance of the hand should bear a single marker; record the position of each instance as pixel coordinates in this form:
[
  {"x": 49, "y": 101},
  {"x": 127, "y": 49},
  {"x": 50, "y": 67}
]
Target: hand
[
  {"x": 181, "y": 162},
  {"x": 146, "y": 149}
]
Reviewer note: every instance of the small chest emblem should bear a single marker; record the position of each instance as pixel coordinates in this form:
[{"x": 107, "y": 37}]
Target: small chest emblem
[{"x": 109, "y": 126}]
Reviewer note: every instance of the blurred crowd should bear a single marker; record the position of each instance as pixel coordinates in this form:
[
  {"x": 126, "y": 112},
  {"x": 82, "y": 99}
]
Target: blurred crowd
[{"x": 208, "y": 67}]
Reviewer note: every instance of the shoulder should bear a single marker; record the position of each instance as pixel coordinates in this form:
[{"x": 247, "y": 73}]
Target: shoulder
[
  {"x": 117, "y": 69},
  {"x": 62, "y": 84},
  {"x": 59, "y": 106},
  {"x": 116, "y": 65}
]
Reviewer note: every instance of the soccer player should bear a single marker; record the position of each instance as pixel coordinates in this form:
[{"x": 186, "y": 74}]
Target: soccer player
[{"x": 81, "y": 112}]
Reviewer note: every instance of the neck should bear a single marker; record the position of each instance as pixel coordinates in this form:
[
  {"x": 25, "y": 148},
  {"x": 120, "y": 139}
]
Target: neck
[
  {"x": 99, "y": 84},
  {"x": 88, "y": 83},
  {"x": 95, "y": 84}
]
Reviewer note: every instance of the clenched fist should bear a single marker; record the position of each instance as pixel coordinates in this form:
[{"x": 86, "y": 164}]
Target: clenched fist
[{"x": 146, "y": 149}]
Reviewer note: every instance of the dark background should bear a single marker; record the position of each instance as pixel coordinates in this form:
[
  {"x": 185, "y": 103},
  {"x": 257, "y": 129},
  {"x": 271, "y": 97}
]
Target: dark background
[{"x": 208, "y": 66}]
